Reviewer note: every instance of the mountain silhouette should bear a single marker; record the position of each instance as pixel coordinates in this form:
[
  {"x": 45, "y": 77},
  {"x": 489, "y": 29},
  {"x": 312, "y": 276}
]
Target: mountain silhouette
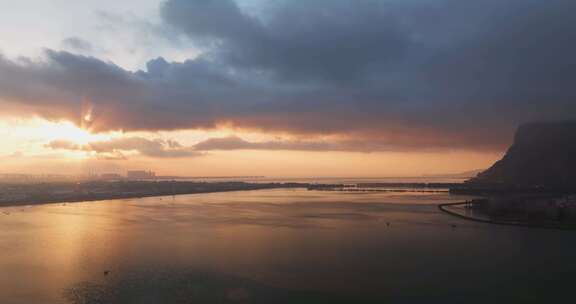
[{"x": 543, "y": 154}]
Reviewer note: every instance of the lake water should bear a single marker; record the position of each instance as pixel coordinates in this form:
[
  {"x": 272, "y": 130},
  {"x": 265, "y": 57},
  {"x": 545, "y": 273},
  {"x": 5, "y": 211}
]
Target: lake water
[{"x": 276, "y": 246}]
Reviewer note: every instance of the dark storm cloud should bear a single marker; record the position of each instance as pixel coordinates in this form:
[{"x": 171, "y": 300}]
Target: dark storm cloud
[
  {"x": 392, "y": 74},
  {"x": 297, "y": 40}
]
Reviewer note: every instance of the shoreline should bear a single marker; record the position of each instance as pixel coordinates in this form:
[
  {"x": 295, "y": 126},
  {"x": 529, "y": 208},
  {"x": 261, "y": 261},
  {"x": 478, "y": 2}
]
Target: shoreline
[
  {"x": 94, "y": 197},
  {"x": 73, "y": 201},
  {"x": 14, "y": 195},
  {"x": 443, "y": 208}
]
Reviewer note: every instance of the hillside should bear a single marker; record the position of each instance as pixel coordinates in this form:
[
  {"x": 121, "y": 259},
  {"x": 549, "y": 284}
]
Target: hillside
[{"x": 543, "y": 154}]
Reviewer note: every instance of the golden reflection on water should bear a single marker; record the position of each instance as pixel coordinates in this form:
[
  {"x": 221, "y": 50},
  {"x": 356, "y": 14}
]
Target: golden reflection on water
[
  {"x": 52, "y": 246},
  {"x": 295, "y": 239}
]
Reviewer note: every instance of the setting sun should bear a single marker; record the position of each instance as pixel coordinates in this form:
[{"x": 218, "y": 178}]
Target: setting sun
[
  {"x": 70, "y": 132},
  {"x": 31, "y": 136}
]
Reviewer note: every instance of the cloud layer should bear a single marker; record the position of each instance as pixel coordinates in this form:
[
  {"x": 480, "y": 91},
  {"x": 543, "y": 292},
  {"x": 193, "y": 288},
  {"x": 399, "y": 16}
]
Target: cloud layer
[
  {"x": 389, "y": 74},
  {"x": 118, "y": 147}
]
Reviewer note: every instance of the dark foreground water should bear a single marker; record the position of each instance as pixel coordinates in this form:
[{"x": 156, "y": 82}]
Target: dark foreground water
[{"x": 276, "y": 246}]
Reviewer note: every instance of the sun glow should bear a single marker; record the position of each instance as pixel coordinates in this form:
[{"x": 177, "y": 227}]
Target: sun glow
[
  {"x": 31, "y": 136},
  {"x": 68, "y": 131}
]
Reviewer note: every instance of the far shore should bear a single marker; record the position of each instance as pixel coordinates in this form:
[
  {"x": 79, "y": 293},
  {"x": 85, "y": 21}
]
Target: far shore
[
  {"x": 111, "y": 197},
  {"x": 61, "y": 193},
  {"x": 72, "y": 192}
]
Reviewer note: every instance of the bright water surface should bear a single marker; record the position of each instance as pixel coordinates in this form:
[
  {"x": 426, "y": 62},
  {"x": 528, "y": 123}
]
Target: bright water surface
[{"x": 276, "y": 246}]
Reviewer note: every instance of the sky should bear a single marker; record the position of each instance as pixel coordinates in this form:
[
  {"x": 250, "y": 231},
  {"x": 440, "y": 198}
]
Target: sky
[{"x": 278, "y": 87}]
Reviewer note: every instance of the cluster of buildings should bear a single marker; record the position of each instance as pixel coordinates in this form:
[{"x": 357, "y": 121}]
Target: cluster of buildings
[
  {"x": 48, "y": 178},
  {"x": 33, "y": 178},
  {"x": 130, "y": 175},
  {"x": 140, "y": 174}
]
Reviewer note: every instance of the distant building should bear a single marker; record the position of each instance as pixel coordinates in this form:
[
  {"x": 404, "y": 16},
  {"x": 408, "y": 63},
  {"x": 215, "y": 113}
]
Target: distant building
[
  {"x": 111, "y": 176},
  {"x": 138, "y": 174}
]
